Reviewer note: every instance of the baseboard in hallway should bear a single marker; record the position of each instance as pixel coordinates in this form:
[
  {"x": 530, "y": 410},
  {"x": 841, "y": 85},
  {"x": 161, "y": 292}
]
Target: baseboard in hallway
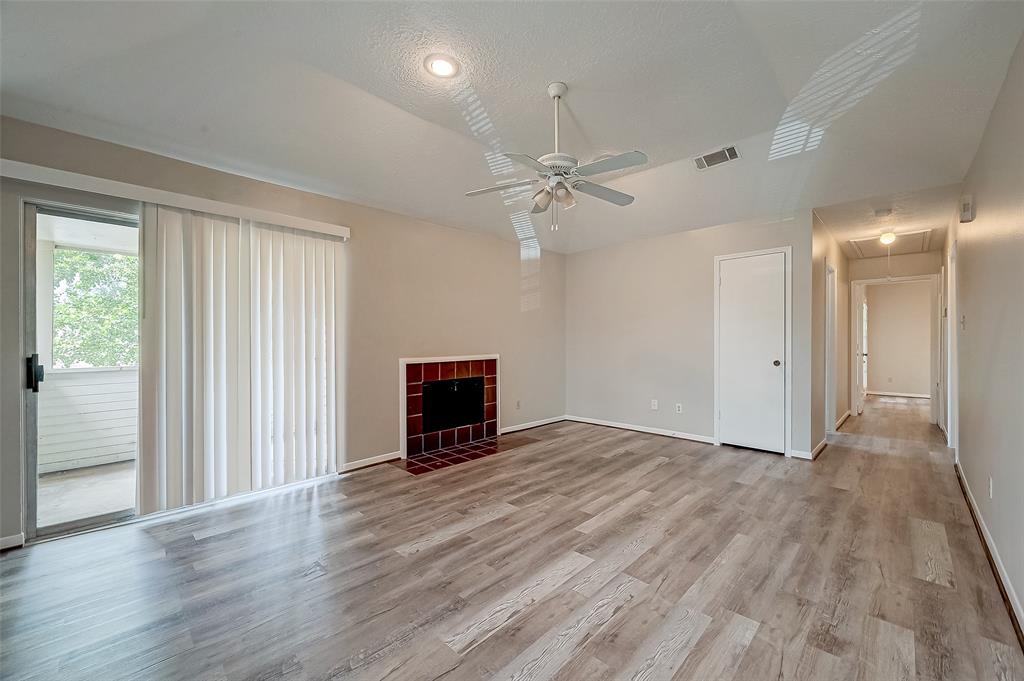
[
  {"x": 922, "y": 396},
  {"x": 1010, "y": 599}
]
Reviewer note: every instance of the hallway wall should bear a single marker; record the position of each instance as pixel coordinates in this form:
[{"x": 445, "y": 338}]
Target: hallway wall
[{"x": 990, "y": 279}]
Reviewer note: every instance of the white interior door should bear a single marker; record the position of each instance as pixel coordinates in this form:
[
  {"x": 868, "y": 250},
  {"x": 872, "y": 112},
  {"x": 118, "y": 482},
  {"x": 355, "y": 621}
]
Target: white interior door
[
  {"x": 860, "y": 348},
  {"x": 752, "y": 351}
]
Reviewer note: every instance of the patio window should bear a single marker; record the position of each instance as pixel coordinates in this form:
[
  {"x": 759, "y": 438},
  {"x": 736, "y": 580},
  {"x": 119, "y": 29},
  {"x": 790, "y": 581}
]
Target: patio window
[{"x": 95, "y": 309}]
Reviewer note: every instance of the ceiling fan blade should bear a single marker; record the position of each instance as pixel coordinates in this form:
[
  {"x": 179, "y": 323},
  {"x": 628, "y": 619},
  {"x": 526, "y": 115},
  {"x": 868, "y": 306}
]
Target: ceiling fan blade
[
  {"x": 542, "y": 200},
  {"x": 604, "y": 193},
  {"x": 530, "y": 162},
  {"x": 499, "y": 187},
  {"x": 605, "y": 165}
]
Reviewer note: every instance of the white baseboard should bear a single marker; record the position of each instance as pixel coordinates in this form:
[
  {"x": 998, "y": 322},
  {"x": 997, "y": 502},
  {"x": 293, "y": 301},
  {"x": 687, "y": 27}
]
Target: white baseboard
[
  {"x": 808, "y": 456},
  {"x": 12, "y": 541},
  {"x": 369, "y": 461},
  {"x": 531, "y": 424},
  {"x": 925, "y": 396},
  {"x": 643, "y": 429},
  {"x": 842, "y": 420},
  {"x": 1011, "y": 593}
]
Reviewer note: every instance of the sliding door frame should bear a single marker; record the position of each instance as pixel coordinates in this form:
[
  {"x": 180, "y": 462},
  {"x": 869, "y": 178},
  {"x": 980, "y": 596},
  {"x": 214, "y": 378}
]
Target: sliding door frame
[{"x": 29, "y": 209}]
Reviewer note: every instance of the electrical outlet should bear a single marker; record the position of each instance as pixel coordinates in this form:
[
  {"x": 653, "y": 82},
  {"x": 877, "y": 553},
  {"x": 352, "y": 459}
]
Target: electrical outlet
[
  {"x": 654, "y": 405},
  {"x": 990, "y": 490},
  {"x": 517, "y": 404},
  {"x": 890, "y": 379},
  {"x": 679, "y": 407}
]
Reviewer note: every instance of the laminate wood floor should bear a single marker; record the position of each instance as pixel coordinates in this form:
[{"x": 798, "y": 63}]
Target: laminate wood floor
[{"x": 590, "y": 553}]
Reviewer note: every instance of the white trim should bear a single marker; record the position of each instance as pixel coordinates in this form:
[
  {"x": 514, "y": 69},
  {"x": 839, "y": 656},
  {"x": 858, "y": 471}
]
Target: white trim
[
  {"x": 1004, "y": 577},
  {"x": 403, "y": 402},
  {"x": 812, "y": 455},
  {"x": 369, "y": 461},
  {"x": 643, "y": 429},
  {"x": 98, "y": 185},
  {"x": 952, "y": 345},
  {"x": 449, "y": 358},
  {"x": 12, "y": 541},
  {"x": 831, "y": 342},
  {"x": 842, "y": 419},
  {"x": 531, "y": 424},
  {"x": 889, "y": 394},
  {"x": 857, "y": 297},
  {"x": 788, "y": 407}
]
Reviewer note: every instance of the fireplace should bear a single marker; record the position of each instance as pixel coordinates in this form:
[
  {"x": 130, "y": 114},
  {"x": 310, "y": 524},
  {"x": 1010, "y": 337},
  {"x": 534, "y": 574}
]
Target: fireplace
[{"x": 449, "y": 401}]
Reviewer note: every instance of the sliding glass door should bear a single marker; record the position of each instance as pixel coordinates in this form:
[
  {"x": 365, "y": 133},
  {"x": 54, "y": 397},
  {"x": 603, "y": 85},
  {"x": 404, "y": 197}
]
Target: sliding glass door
[
  {"x": 173, "y": 357},
  {"x": 82, "y": 299}
]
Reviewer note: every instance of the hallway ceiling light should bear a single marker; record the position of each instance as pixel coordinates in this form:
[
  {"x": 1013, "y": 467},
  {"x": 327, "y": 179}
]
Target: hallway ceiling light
[{"x": 887, "y": 238}]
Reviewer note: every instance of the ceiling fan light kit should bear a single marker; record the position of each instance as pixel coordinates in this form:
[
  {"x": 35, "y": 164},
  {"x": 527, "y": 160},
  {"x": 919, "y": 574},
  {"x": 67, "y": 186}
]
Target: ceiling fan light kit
[{"x": 562, "y": 173}]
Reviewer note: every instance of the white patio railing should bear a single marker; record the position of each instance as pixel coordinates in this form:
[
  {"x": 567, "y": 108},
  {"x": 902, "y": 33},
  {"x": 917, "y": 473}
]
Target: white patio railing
[{"x": 87, "y": 417}]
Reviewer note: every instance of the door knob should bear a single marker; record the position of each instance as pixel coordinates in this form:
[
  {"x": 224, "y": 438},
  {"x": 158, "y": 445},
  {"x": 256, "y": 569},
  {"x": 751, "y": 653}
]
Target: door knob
[{"x": 776, "y": 363}]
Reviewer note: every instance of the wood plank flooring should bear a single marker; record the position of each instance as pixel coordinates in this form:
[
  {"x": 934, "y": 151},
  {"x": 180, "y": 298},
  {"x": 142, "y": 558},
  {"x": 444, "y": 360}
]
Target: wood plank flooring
[{"x": 584, "y": 553}]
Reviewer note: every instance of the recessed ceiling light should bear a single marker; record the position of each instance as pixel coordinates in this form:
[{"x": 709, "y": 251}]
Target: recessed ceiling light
[
  {"x": 441, "y": 65},
  {"x": 887, "y": 238}
]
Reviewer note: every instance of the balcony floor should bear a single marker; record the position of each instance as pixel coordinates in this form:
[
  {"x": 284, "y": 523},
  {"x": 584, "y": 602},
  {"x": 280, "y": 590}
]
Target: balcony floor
[{"x": 85, "y": 492}]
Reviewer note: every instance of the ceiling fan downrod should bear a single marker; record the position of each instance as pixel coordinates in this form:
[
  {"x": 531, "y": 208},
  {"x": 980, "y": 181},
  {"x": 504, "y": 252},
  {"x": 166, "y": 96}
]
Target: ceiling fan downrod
[{"x": 556, "y": 91}]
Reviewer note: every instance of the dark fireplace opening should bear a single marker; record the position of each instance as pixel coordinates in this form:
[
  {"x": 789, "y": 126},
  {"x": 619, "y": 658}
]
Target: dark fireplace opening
[{"x": 452, "y": 403}]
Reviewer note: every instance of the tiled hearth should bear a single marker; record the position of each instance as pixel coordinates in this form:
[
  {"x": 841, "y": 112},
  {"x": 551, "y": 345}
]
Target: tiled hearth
[{"x": 426, "y": 462}]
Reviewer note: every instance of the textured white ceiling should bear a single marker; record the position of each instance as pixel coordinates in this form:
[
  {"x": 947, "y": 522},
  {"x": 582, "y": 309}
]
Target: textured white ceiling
[
  {"x": 929, "y": 209},
  {"x": 332, "y": 97}
]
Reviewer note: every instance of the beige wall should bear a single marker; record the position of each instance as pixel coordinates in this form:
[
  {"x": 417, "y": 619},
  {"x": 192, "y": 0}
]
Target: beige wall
[
  {"x": 826, "y": 249},
  {"x": 990, "y": 281},
  {"x": 899, "y": 337},
  {"x": 910, "y": 265},
  {"x": 416, "y": 289},
  {"x": 640, "y": 326}
]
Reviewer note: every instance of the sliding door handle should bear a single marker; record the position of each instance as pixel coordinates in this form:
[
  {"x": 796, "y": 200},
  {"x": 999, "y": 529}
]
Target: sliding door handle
[{"x": 34, "y": 372}]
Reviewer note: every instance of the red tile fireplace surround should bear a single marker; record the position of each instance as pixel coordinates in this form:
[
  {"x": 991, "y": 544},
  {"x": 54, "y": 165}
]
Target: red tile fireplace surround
[{"x": 417, "y": 371}]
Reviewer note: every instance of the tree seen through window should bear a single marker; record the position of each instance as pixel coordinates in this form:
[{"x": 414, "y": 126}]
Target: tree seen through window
[{"x": 95, "y": 309}]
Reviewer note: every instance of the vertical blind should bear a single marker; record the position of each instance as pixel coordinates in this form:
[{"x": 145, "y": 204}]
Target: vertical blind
[{"x": 241, "y": 358}]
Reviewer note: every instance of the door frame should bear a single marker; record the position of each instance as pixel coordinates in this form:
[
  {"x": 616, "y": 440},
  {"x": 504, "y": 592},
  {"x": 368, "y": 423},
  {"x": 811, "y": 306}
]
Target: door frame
[
  {"x": 858, "y": 294},
  {"x": 28, "y": 209},
  {"x": 952, "y": 322},
  {"x": 857, "y": 298},
  {"x": 831, "y": 338},
  {"x": 787, "y": 251}
]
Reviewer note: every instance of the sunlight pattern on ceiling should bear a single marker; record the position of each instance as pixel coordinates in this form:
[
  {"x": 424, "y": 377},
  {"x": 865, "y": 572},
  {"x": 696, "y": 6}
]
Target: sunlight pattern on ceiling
[
  {"x": 843, "y": 80},
  {"x": 480, "y": 125}
]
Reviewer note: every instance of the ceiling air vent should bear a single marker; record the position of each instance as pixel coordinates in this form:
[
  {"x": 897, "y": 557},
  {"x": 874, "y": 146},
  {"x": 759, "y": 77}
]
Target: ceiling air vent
[{"x": 716, "y": 158}]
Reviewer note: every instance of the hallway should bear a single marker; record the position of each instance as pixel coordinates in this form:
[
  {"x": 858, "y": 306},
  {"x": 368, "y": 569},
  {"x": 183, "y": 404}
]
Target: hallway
[{"x": 933, "y": 584}]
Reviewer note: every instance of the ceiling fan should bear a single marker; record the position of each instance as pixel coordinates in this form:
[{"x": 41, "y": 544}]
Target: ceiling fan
[{"x": 561, "y": 174}]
